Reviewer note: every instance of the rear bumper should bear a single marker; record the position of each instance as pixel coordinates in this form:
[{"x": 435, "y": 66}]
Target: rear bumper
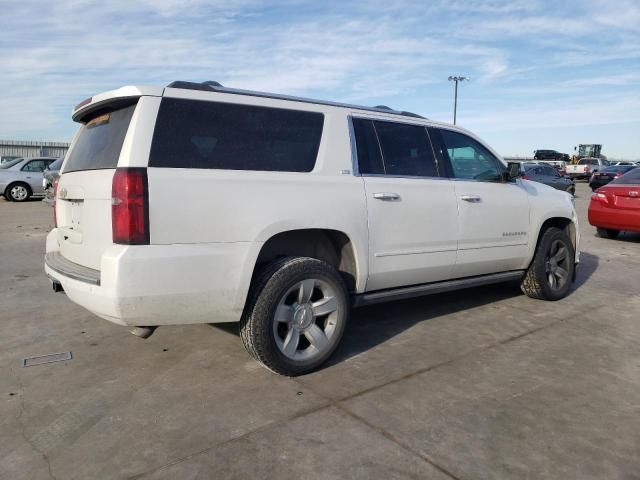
[
  {"x": 159, "y": 284},
  {"x": 615, "y": 219}
]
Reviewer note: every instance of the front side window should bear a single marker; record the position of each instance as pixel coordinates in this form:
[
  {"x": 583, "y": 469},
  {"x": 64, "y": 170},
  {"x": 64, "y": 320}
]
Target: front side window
[
  {"x": 469, "y": 159},
  {"x": 406, "y": 149},
  {"x": 215, "y": 135}
]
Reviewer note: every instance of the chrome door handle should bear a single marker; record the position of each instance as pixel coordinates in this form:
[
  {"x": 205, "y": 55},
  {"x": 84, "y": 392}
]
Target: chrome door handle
[
  {"x": 471, "y": 198},
  {"x": 386, "y": 196}
]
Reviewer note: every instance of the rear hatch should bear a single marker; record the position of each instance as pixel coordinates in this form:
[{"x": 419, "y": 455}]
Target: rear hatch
[{"x": 83, "y": 205}]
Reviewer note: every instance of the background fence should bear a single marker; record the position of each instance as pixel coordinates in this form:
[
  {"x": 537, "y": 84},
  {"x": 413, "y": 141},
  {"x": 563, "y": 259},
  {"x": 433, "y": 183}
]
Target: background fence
[{"x": 21, "y": 148}]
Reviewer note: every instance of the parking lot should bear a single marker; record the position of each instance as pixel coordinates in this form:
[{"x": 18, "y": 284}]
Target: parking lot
[{"x": 482, "y": 383}]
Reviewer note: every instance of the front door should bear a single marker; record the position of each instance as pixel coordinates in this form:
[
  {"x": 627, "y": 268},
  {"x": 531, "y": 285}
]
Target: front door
[{"x": 493, "y": 215}]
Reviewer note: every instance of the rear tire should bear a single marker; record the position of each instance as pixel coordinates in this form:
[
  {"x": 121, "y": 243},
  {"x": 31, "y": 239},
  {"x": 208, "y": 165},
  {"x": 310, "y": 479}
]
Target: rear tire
[
  {"x": 608, "y": 233},
  {"x": 18, "y": 192},
  {"x": 295, "y": 315},
  {"x": 550, "y": 274}
]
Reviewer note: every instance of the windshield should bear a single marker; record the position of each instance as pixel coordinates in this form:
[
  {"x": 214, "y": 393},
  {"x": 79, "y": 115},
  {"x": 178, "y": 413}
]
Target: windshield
[{"x": 11, "y": 163}]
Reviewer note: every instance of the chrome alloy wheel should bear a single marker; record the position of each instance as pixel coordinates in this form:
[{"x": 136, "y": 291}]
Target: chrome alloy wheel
[
  {"x": 306, "y": 319},
  {"x": 557, "y": 265},
  {"x": 19, "y": 192}
]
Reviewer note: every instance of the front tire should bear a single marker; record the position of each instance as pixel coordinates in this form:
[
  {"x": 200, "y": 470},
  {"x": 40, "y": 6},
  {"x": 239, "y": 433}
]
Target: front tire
[
  {"x": 608, "y": 233},
  {"x": 295, "y": 315},
  {"x": 550, "y": 274}
]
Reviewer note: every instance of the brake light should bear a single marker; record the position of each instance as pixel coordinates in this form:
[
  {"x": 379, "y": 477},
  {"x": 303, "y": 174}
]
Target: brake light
[
  {"x": 586, "y": 169},
  {"x": 526, "y": 177},
  {"x": 599, "y": 197},
  {"x": 130, "y": 206},
  {"x": 53, "y": 203}
]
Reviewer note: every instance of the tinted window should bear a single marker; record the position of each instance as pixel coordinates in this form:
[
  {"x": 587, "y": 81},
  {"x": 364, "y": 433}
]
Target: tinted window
[
  {"x": 369, "y": 157},
  {"x": 197, "y": 134},
  {"x": 469, "y": 159},
  {"x": 35, "y": 166},
  {"x": 549, "y": 171},
  {"x": 100, "y": 140},
  {"x": 406, "y": 149},
  {"x": 631, "y": 177}
]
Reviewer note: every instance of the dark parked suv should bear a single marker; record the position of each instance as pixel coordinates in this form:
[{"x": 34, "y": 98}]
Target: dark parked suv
[{"x": 550, "y": 155}]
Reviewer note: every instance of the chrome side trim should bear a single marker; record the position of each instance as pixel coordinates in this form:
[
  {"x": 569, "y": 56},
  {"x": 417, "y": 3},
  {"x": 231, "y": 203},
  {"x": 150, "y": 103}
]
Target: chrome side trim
[
  {"x": 431, "y": 288},
  {"x": 56, "y": 262}
]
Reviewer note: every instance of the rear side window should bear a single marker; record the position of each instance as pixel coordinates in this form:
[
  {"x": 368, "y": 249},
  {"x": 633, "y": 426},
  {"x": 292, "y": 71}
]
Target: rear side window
[
  {"x": 406, "y": 149},
  {"x": 214, "y": 135},
  {"x": 369, "y": 156},
  {"x": 100, "y": 140},
  {"x": 631, "y": 177}
]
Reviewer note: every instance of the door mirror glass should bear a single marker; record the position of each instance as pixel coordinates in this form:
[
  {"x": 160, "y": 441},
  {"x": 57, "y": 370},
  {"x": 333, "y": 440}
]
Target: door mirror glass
[{"x": 513, "y": 171}]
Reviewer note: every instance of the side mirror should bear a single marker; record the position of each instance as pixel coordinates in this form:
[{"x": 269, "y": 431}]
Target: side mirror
[{"x": 513, "y": 171}]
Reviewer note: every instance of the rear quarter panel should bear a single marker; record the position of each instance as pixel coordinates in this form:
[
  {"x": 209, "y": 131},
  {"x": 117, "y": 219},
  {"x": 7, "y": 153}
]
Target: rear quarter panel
[{"x": 189, "y": 206}]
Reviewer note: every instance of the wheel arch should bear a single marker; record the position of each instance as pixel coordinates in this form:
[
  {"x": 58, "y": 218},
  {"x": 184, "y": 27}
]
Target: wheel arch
[
  {"x": 332, "y": 246},
  {"x": 563, "y": 223}
]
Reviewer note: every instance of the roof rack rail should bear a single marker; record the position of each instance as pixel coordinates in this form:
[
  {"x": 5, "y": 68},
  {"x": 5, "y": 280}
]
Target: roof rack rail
[{"x": 213, "y": 86}]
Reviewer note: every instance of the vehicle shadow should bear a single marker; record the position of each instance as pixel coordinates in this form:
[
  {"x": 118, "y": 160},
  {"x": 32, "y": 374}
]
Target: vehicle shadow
[
  {"x": 376, "y": 324},
  {"x": 588, "y": 265},
  {"x": 629, "y": 237},
  {"x": 373, "y": 325}
]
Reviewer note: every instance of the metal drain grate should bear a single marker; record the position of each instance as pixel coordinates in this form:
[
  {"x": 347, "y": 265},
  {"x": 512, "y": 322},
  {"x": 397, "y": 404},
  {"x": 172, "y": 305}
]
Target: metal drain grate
[{"x": 42, "y": 359}]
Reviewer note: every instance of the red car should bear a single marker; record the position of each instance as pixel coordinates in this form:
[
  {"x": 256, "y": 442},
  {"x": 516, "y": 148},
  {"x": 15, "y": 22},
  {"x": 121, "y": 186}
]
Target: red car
[{"x": 616, "y": 206}]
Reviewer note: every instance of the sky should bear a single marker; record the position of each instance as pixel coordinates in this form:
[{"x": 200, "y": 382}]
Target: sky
[{"x": 543, "y": 74}]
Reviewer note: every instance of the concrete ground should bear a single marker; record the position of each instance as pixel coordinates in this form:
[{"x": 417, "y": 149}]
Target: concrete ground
[{"x": 480, "y": 384}]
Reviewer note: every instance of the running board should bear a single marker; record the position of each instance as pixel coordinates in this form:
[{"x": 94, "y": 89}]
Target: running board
[{"x": 431, "y": 288}]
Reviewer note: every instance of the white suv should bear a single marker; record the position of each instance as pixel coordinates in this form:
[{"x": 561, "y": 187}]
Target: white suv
[{"x": 197, "y": 203}]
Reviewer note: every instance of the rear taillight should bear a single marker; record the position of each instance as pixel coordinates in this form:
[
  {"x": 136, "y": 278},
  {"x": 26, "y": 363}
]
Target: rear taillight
[
  {"x": 599, "y": 197},
  {"x": 586, "y": 169},
  {"x": 53, "y": 203},
  {"x": 130, "y": 206},
  {"x": 525, "y": 177}
]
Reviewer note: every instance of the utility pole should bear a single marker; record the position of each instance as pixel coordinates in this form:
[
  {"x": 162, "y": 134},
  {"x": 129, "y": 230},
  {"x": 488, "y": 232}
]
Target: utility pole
[{"x": 455, "y": 100}]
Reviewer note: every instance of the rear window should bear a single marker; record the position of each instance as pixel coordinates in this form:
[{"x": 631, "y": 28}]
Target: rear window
[
  {"x": 631, "y": 177},
  {"x": 100, "y": 140},
  {"x": 588, "y": 161},
  {"x": 214, "y": 135}
]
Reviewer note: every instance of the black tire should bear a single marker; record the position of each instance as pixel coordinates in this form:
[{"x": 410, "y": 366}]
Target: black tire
[
  {"x": 268, "y": 287},
  {"x": 9, "y": 196},
  {"x": 608, "y": 233},
  {"x": 536, "y": 281}
]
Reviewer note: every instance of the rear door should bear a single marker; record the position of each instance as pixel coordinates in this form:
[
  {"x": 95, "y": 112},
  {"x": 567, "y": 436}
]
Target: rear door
[
  {"x": 83, "y": 205},
  {"x": 411, "y": 209}
]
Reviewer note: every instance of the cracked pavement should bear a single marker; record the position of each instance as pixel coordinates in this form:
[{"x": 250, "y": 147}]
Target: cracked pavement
[{"x": 482, "y": 383}]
